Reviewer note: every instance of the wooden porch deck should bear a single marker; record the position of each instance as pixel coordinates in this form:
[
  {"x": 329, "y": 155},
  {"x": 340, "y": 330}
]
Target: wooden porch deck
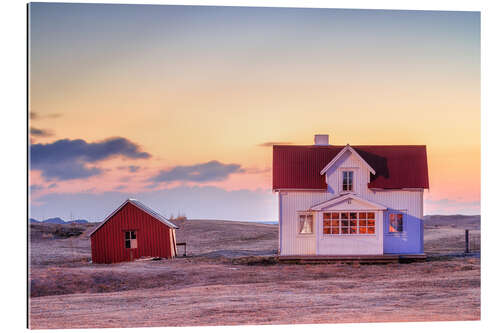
[{"x": 350, "y": 259}]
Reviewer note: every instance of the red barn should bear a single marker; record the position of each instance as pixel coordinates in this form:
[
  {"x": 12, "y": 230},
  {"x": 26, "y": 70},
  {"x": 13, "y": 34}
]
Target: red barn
[{"x": 133, "y": 231}]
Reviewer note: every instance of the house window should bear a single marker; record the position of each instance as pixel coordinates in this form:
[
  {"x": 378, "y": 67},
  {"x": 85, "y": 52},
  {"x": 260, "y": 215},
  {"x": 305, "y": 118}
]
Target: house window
[
  {"x": 347, "y": 180},
  {"x": 395, "y": 222},
  {"x": 305, "y": 224},
  {"x": 130, "y": 240},
  {"x": 348, "y": 223}
]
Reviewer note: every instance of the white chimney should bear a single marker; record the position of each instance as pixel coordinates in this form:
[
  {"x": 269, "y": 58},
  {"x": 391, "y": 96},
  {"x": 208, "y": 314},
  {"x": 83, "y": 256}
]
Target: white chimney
[{"x": 321, "y": 140}]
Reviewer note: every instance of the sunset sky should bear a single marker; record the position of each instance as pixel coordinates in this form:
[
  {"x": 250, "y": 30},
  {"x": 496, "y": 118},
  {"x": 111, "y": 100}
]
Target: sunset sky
[{"x": 178, "y": 106}]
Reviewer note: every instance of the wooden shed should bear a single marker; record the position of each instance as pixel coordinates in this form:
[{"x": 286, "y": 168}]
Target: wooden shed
[{"x": 132, "y": 231}]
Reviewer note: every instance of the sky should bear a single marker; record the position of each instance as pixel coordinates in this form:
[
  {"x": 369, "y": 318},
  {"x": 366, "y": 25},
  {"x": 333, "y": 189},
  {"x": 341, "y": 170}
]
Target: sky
[{"x": 179, "y": 106}]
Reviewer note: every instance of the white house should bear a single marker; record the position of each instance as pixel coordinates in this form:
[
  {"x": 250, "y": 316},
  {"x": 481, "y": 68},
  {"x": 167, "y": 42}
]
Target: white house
[{"x": 349, "y": 200}]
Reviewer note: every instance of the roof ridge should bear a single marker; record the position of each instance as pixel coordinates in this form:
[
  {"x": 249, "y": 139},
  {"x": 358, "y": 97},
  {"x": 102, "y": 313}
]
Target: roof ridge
[
  {"x": 351, "y": 145},
  {"x": 140, "y": 206}
]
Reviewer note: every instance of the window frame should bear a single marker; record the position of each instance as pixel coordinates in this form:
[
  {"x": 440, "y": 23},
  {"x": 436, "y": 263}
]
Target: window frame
[
  {"x": 339, "y": 221},
  {"x": 403, "y": 218},
  {"x": 341, "y": 182},
  {"x": 299, "y": 226},
  {"x": 131, "y": 238}
]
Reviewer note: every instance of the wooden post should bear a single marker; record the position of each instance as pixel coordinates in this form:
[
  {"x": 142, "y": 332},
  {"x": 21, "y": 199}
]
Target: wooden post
[{"x": 467, "y": 249}]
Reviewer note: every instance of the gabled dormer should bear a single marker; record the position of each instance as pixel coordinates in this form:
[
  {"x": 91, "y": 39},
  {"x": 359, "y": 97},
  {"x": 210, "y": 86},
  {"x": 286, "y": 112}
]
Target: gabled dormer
[{"x": 347, "y": 172}]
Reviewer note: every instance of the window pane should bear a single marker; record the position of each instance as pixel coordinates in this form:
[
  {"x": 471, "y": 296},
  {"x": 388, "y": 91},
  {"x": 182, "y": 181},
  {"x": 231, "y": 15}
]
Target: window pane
[
  {"x": 133, "y": 244},
  {"x": 326, "y": 230},
  {"x": 127, "y": 244},
  {"x": 345, "y": 223},
  {"x": 327, "y": 216},
  {"x": 335, "y": 231},
  {"x": 371, "y": 223},
  {"x": 362, "y": 230},
  {"x": 395, "y": 222},
  {"x": 345, "y": 230},
  {"x": 127, "y": 235},
  {"x": 335, "y": 215},
  {"x": 362, "y": 215},
  {"x": 371, "y": 215},
  {"x": 371, "y": 230},
  {"x": 353, "y": 223},
  {"x": 343, "y": 215},
  {"x": 353, "y": 216},
  {"x": 335, "y": 223},
  {"x": 327, "y": 223},
  {"x": 132, "y": 234},
  {"x": 353, "y": 230},
  {"x": 305, "y": 224},
  {"x": 362, "y": 223}
]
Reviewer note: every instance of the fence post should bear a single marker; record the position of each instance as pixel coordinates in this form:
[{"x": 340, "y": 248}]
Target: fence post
[{"x": 467, "y": 241}]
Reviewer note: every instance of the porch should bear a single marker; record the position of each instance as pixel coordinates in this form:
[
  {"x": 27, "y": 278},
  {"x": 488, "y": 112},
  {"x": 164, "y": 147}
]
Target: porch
[{"x": 352, "y": 259}]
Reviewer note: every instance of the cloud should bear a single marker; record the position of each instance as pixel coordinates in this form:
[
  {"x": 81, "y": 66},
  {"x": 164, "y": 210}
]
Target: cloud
[
  {"x": 271, "y": 143},
  {"x": 133, "y": 168},
  {"x": 68, "y": 159},
  {"x": 35, "y": 115},
  {"x": 130, "y": 168},
  {"x": 35, "y": 187},
  {"x": 40, "y": 132},
  {"x": 205, "y": 172},
  {"x": 257, "y": 170}
]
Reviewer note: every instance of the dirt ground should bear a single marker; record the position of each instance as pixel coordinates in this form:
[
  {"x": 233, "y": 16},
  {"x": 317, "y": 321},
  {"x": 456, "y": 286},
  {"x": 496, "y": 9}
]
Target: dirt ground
[{"x": 230, "y": 278}]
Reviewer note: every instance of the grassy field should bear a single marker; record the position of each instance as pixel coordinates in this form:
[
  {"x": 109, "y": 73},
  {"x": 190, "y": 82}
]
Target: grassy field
[{"x": 229, "y": 277}]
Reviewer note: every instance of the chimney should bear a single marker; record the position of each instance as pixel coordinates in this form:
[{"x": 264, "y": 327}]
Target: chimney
[{"x": 321, "y": 140}]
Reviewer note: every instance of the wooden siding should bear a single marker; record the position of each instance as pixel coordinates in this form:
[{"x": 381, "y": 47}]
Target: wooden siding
[
  {"x": 154, "y": 239},
  {"x": 292, "y": 202}
]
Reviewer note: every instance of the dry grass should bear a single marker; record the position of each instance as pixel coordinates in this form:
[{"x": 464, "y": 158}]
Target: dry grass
[{"x": 230, "y": 278}]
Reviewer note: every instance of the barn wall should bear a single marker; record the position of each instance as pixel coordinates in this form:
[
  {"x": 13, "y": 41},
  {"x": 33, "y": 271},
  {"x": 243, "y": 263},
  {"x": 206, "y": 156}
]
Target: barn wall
[{"x": 154, "y": 239}]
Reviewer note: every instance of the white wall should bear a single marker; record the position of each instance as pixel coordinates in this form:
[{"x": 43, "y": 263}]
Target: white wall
[{"x": 292, "y": 202}]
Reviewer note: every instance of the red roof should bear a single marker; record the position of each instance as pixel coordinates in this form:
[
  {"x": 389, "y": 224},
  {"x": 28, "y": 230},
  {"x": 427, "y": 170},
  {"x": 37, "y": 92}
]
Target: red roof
[{"x": 396, "y": 167}]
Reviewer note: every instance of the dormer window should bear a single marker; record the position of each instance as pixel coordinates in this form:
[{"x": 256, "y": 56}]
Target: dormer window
[{"x": 347, "y": 180}]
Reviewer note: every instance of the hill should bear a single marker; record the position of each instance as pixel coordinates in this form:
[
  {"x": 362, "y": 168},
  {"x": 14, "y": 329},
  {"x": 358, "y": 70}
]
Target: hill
[
  {"x": 458, "y": 221},
  {"x": 57, "y": 220}
]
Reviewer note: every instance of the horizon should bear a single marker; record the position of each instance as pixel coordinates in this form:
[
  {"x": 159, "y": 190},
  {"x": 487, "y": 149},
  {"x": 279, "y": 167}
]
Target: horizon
[
  {"x": 220, "y": 220},
  {"x": 178, "y": 106}
]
